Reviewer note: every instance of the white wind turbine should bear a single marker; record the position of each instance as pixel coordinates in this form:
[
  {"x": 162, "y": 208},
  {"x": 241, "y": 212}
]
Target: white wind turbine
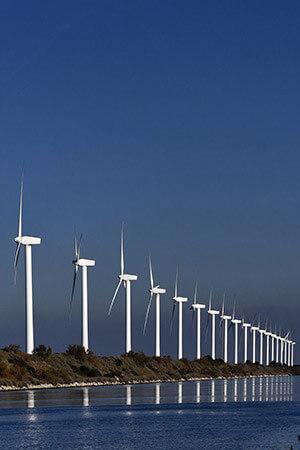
[
  {"x": 225, "y": 318},
  {"x": 292, "y": 355},
  {"x": 245, "y": 325},
  {"x": 126, "y": 279},
  {"x": 196, "y": 308},
  {"x": 84, "y": 264},
  {"x": 277, "y": 337},
  {"x": 268, "y": 334},
  {"x": 253, "y": 330},
  {"x": 261, "y": 347},
  {"x": 285, "y": 347},
  {"x": 27, "y": 241},
  {"x": 179, "y": 301},
  {"x": 212, "y": 312},
  {"x": 157, "y": 291},
  {"x": 273, "y": 336},
  {"x": 236, "y": 323}
]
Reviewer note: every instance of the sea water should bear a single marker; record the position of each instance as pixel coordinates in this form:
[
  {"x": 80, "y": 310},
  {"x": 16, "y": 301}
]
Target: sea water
[{"x": 241, "y": 413}]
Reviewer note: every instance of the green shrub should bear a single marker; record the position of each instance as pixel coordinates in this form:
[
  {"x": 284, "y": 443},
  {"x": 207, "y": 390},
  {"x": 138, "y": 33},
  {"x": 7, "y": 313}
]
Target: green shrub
[
  {"x": 78, "y": 351},
  {"x": 42, "y": 351}
]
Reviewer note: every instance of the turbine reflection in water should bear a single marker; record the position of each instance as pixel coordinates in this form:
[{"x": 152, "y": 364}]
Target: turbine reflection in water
[
  {"x": 157, "y": 394},
  {"x": 128, "y": 395},
  {"x": 180, "y": 392}
]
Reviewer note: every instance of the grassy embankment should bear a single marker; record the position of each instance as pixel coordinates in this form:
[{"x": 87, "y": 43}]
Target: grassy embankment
[{"x": 75, "y": 366}]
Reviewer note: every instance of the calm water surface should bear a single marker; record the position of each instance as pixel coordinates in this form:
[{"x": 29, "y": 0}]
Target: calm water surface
[{"x": 218, "y": 414}]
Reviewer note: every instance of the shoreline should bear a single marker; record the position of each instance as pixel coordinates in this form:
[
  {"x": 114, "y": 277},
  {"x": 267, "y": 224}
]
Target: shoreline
[{"x": 74, "y": 385}]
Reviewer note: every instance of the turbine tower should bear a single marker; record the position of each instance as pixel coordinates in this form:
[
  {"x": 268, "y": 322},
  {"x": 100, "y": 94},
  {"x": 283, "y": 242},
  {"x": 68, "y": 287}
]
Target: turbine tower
[
  {"x": 27, "y": 241},
  {"x": 261, "y": 332},
  {"x": 196, "y": 308},
  {"x": 157, "y": 291},
  {"x": 236, "y": 323},
  {"x": 178, "y": 300},
  {"x": 126, "y": 279},
  {"x": 213, "y": 313},
  {"x": 246, "y": 325},
  {"x": 253, "y": 330},
  {"x": 273, "y": 337},
  {"x": 225, "y": 318},
  {"x": 84, "y": 264},
  {"x": 268, "y": 334}
]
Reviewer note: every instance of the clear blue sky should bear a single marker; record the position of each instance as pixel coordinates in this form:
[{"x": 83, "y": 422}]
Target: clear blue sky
[{"x": 180, "y": 119}]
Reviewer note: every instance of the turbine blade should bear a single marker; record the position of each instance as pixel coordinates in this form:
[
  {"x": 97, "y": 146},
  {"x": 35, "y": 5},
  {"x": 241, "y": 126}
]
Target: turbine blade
[
  {"x": 195, "y": 293},
  {"x": 122, "y": 250},
  {"x": 151, "y": 274},
  {"x": 206, "y": 328},
  {"x": 114, "y": 297},
  {"x": 193, "y": 317},
  {"x": 233, "y": 311},
  {"x": 78, "y": 248},
  {"x": 223, "y": 305},
  {"x": 172, "y": 319},
  {"x": 21, "y": 207},
  {"x": 147, "y": 313},
  {"x": 73, "y": 288},
  {"x": 75, "y": 245},
  {"x": 210, "y": 299},
  {"x": 221, "y": 321},
  {"x": 16, "y": 260},
  {"x": 176, "y": 284}
]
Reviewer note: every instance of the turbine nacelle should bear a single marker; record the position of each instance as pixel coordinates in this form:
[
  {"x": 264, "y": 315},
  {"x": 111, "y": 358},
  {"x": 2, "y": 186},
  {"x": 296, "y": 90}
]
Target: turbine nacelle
[
  {"x": 85, "y": 262},
  {"x": 157, "y": 290},
  {"x": 27, "y": 240},
  {"x": 246, "y": 325},
  {"x": 224, "y": 317},
  {"x": 180, "y": 299},
  {"x": 127, "y": 277},
  {"x": 198, "y": 306},
  {"x": 213, "y": 311},
  {"x": 254, "y": 328},
  {"x": 236, "y": 321}
]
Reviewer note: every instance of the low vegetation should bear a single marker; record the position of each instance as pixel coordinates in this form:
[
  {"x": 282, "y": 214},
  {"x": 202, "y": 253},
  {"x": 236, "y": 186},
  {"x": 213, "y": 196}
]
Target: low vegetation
[{"x": 75, "y": 365}]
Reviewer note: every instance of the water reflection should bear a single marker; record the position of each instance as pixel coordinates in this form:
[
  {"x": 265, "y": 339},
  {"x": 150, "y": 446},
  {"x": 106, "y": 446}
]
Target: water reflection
[
  {"x": 278, "y": 388},
  {"x": 128, "y": 394},
  {"x": 85, "y": 397},
  {"x": 198, "y": 391},
  {"x": 225, "y": 390},
  {"x": 157, "y": 394},
  {"x": 180, "y": 392},
  {"x": 30, "y": 399},
  {"x": 235, "y": 397}
]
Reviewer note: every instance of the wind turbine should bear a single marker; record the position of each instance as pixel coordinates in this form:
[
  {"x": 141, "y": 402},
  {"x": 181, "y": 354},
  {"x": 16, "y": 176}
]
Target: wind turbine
[
  {"x": 236, "y": 323},
  {"x": 126, "y": 279},
  {"x": 196, "y": 308},
  {"x": 213, "y": 313},
  {"x": 245, "y": 325},
  {"x": 285, "y": 339},
  {"x": 281, "y": 348},
  {"x": 179, "y": 301},
  {"x": 84, "y": 264},
  {"x": 261, "y": 332},
  {"x": 277, "y": 337},
  {"x": 273, "y": 336},
  {"x": 225, "y": 318},
  {"x": 292, "y": 356},
  {"x": 27, "y": 241},
  {"x": 253, "y": 330},
  {"x": 268, "y": 334},
  {"x": 157, "y": 291}
]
